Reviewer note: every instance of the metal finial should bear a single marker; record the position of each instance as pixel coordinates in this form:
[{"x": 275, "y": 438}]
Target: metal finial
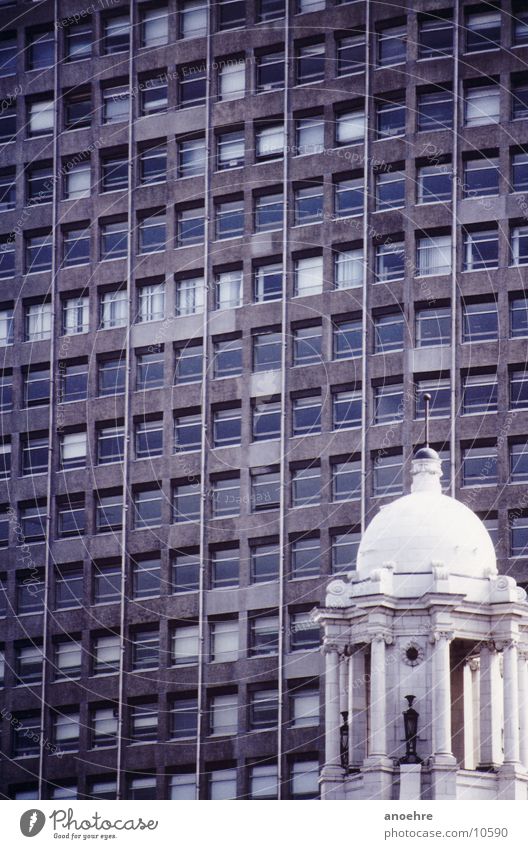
[{"x": 427, "y": 400}]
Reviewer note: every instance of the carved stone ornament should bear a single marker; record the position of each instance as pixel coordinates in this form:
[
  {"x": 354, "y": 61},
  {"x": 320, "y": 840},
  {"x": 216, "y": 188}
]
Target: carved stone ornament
[
  {"x": 337, "y": 594},
  {"x": 439, "y": 634},
  {"x": 412, "y": 654}
]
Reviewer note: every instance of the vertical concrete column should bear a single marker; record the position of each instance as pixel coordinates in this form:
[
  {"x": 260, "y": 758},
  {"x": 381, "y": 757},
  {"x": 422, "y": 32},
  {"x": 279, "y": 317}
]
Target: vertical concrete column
[
  {"x": 332, "y": 705},
  {"x": 523, "y": 705},
  {"x": 378, "y": 697},
  {"x": 490, "y": 755},
  {"x": 441, "y": 707},
  {"x": 511, "y": 702}
]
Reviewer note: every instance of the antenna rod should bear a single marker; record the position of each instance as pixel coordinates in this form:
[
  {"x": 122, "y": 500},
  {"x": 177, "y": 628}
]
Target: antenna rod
[{"x": 427, "y": 401}]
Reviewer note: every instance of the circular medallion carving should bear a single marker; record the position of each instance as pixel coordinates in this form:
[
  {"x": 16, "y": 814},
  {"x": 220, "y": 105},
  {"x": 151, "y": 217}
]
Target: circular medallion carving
[{"x": 412, "y": 654}]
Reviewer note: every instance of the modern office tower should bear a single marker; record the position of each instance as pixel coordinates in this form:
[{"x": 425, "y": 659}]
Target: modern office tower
[{"x": 238, "y": 240}]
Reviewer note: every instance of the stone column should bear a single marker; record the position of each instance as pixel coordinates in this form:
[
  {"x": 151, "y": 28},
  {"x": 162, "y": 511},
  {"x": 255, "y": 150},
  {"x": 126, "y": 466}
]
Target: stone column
[
  {"x": 441, "y": 707},
  {"x": 332, "y": 705},
  {"x": 511, "y": 702},
  {"x": 490, "y": 754},
  {"x": 378, "y": 696},
  {"x": 523, "y": 705}
]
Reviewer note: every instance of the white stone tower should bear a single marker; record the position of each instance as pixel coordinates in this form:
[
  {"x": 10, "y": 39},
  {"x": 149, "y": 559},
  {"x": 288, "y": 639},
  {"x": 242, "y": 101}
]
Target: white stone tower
[{"x": 427, "y": 615}]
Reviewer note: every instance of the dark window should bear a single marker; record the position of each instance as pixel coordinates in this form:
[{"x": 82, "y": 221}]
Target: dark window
[
  {"x": 8, "y": 53},
  {"x": 68, "y": 587},
  {"x": 307, "y": 343},
  {"x": 305, "y": 557},
  {"x": 481, "y": 177},
  {"x": 188, "y": 363},
  {"x": 8, "y": 124},
  {"x": 149, "y": 438},
  {"x": 183, "y": 718},
  {"x": 110, "y": 444},
  {"x": 144, "y": 720},
  {"x": 153, "y": 164},
  {"x": 346, "y": 409},
  {"x": 229, "y": 219},
  {"x": 263, "y": 709},
  {"x": 192, "y": 85},
  {"x": 39, "y": 183},
  {"x": 519, "y": 462},
  {"x": 345, "y": 545},
  {"x": 347, "y": 339},
  {"x": 7, "y": 189},
  {"x": 479, "y": 465},
  {"x": 388, "y": 403},
  {"x": 187, "y": 432},
  {"x": 225, "y": 497},
  {"x": 265, "y": 491},
  {"x": 483, "y": 31},
  {"x": 109, "y": 511},
  {"x": 270, "y": 71},
  {"x": 518, "y": 389},
  {"x": 270, "y": 10},
  {"x": 519, "y": 316},
  {"x": 231, "y": 13},
  {"x": 390, "y": 189},
  {"x": 148, "y": 504},
  {"x": 225, "y": 567},
  {"x": 310, "y": 63},
  {"x": 116, "y": 33},
  {"x": 41, "y": 50},
  {"x": 114, "y": 173},
  {"x": 306, "y": 486},
  {"x": 266, "y": 420},
  {"x": 106, "y": 582},
  {"x": 263, "y": 634},
  {"x": 433, "y": 327},
  {"x": 268, "y": 212},
  {"x": 392, "y": 46},
  {"x": 28, "y": 664},
  {"x": 26, "y": 735},
  {"x": 191, "y": 157},
  {"x": 480, "y": 393},
  {"x": 481, "y": 249},
  {"x": 435, "y": 111},
  {"x": 152, "y": 233},
  {"x": 305, "y": 634},
  {"x": 78, "y": 110},
  {"x": 346, "y": 480},
  {"x": 103, "y": 726},
  {"x": 73, "y": 385},
  {"x": 388, "y": 332},
  {"x": 440, "y": 391},
  {"x": 227, "y": 358},
  {"x": 79, "y": 41},
  {"x": 33, "y": 521},
  {"x": 34, "y": 453},
  {"x": 36, "y": 386},
  {"x": 306, "y": 415},
  {"x": 38, "y": 253},
  {"x": 186, "y": 502},
  {"x": 480, "y": 321},
  {"x": 230, "y": 151},
  {"x": 350, "y": 54},
  {"x": 191, "y": 224},
  {"x": 114, "y": 240},
  {"x": 267, "y": 351},
  {"x": 390, "y": 118},
  {"x": 435, "y": 38},
  {"x": 185, "y": 567},
  {"x": 264, "y": 563},
  {"x": 30, "y": 593},
  {"x": 76, "y": 246},
  {"x": 227, "y": 427},
  {"x": 154, "y": 95},
  {"x": 149, "y": 370},
  {"x": 435, "y": 183},
  {"x": 111, "y": 376},
  {"x": 145, "y": 649},
  {"x": 520, "y": 27}
]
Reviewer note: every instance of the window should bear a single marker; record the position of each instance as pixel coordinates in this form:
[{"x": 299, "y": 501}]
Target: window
[
  {"x": 6, "y": 390},
  {"x": 519, "y": 316},
  {"x": 232, "y": 79},
  {"x": 116, "y": 104},
  {"x": 38, "y": 322},
  {"x": 306, "y": 486},
  {"x": 350, "y": 54},
  {"x": 390, "y": 261},
  {"x": 187, "y": 432},
  {"x": 73, "y": 450},
  {"x": 222, "y": 784},
  {"x": 108, "y": 511},
  {"x": 5, "y": 459},
  {"x": 268, "y": 212},
  {"x": 75, "y": 315},
  {"x": 66, "y": 730},
  {"x": 151, "y": 302},
  {"x": 390, "y": 189},
  {"x": 390, "y": 118},
  {"x": 188, "y": 363},
  {"x": 6, "y": 327},
  {"x": 189, "y": 295},
  {"x": 114, "y": 173},
  {"x": 110, "y": 444},
  {"x": 143, "y": 728},
  {"x": 223, "y": 714},
  {"x": 263, "y": 781},
  {"x": 481, "y": 249},
  {"x": 183, "y": 718},
  {"x": 149, "y": 370},
  {"x": 348, "y": 269},
  {"x": 226, "y": 497},
  {"x": 347, "y": 339},
  {"x": 67, "y": 659},
  {"x": 142, "y": 788},
  {"x": 263, "y": 634},
  {"x": 8, "y": 124},
  {"x": 79, "y": 41},
  {"x": 306, "y": 415},
  {"x": 148, "y": 504},
  {"x": 440, "y": 391},
  {"x": 346, "y": 480},
  {"x": 265, "y": 420},
  {"x": 185, "y": 645},
  {"x": 231, "y": 14},
  {"x": 518, "y": 389},
  {"x": 482, "y": 105},
  {"x": 39, "y": 184},
  {"x": 270, "y": 71},
  {"x": 111, "y": 376},
  {"x": 481, "y": 177},
  {"x": 518, "y": 462},
  {"x": 267, "y": 351},
  {"x": 304, "y": 633},
  {"x": 388, "y": 472},
  {"x": 114, "y": 240},
  {"x": 153, "y": 164},
  {"x": 26, "y": 735},
  {"x": 76, "y": 246},
  {"x": 435, "y": 36},
  {"x": 265, "y": 491},
  {"x": 190, "y": 226},
  {"x": 8, "y": 53},
  {"x": 149, "y": 438},
  {"x": 304, "y": 778},
  {"x": 29, "y": 592},
  {"x": 519, "y": 535},
  {"x": 483, "y": 31},
  {"x": 270, "y": 10},
  {"x": 433, "y": 255},
  {"x": 38, "y": 253},
  {"x": 263, "y": 709},
  {"x": 68, "y": 587},
  {"x": 264, "y": 563},
  {"x": 103, "y": 727},
  {"x": 480, "y": 393},
  {"x": 392, "y": 46},
  {"x": 154, "y": 27},
  {"x": 269, "y": 142},
  {"x": 106, "y": 582},
  {"x": 40, "y": 117},
  {"x": 306, "y": 557},
  {"x": 433, "y": 327},
  {"x": 36, "y": 386},
  {"x": 229, "y": 219},
  {"x": 227, "y": 427},
  {"x": 230, "y": 150},
  {"x": 307, "y": 345},
  {"x": 152, "y": 233},
  {"x": 73, "y": 382},
  {"x": 77, "y": 110},
  {"x": 106, "y": 654},
  {"x": 191, "y": 157},
  {"x": 479, "y": 466},
  {"x": 434, "y": 183},
  {"x": 41, "y": 50},
  {"x": 348, "y": 197},
  {"x": 7, "y": 189},
  {"x": 145, "y": 648},
  {"x": 102, "y": 789},
  {"x": 309, "y": 204},
  {"x": 154, "y": 95},
  {"x": 388, "y": 403},
  {"x": 519, "y": 245},
  {"x": 388, "y": 332},
  {"x": 193, "y": 18},
  {"x": 185, "y": 572},
  {"x": 268, "y": 282},
  {"x": 224, "y": 641},
  {"x": 28, "y": 664},
  {"x": 192, "y": 85},
  {"x": 227, "y": 358},
  {"x": 309, "y": 135},
  {"x": 480, "y": 321},
  {"x": 116, "y": 34},
  {"x": 346, "y": 409},
  {"x": 350, "y": 127},
  {"x": 435, "y": 110},
  {"x": 186, "y": 502},
  {"x": 34, "y": 454},
  {"x": 33, "y": 521},
  {"x": 308, "y": 276},
  {"x": 310, "y": 63}
]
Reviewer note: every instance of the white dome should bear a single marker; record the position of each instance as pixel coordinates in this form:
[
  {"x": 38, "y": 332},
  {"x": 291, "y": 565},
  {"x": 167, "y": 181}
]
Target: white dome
[{"x": 426, "y": 529}]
